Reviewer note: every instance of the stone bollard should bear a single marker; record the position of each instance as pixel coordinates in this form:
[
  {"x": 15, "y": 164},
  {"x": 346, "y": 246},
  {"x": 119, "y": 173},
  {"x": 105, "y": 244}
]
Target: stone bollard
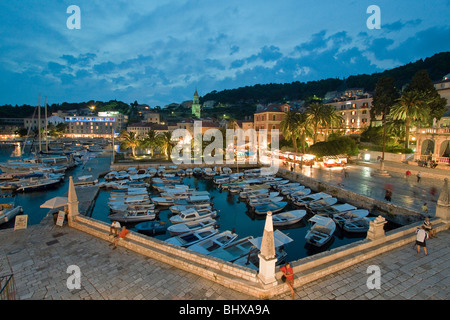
[{"x": 376, "y": 228}]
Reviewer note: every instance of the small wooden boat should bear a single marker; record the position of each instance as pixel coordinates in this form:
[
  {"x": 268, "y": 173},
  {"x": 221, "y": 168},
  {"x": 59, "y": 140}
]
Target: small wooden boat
[
  {"x": 288, "y": 217},
  {"x": 189, "y": 172},
  {"x": 176, "y": 209},
  {"x": 335, "y": 209},
  {"x": 274, "y": 207},
  {"x": 299, "y": 193},
  {"x": 358, "y": 226},
  {"x": 192, "y": 214},
  {"x": 251, "y": 260},
  {"x": 321, "y": 231},
  {"x": 304, "y": 200},
  {"x": 350, "y": 216},
  {"x": 133, "y": 216},
  {"x": 213, "y": 243},
  {"x": 192, "y": 237},
  {"x": 189, "y": 226},
  {"x": 234, "y": 250},
  {"x": 263, "y": 201},
  {"x": 151, "y": 227},
  {"x": 322, "y": 203},
  {"x": 8, "y": 211}
]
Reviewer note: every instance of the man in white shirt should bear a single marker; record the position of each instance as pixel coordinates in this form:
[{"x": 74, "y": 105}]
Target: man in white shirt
[
  {"x": 421, "y": 237},
  {"x": 114, "y": 229}
]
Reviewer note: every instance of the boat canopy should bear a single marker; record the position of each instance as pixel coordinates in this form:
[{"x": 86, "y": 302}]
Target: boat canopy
[{"x": 280, "y": 239}]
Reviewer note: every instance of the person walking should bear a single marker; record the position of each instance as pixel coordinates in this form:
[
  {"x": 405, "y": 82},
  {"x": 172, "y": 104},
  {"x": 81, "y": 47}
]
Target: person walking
[
  {"x": 421, "y": 238},
  {"x": 425, "y": 208},
  {"x": 288, "y": 277},
  {"x": 419, "y": 176},
  {"x": 388, "y": 195},
  {"x": 407, "y": 174}
]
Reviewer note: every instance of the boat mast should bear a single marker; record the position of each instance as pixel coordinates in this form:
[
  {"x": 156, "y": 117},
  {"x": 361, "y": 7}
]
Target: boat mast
[
  {"x": 39, "y": 122},
  {"x": 46, "y": 140}
]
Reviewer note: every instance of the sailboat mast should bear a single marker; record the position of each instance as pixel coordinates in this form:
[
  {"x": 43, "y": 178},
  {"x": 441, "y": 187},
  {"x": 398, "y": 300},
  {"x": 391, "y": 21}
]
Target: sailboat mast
[
  {"x": 46, "y": 140},
  {"x": 39, "y": 122}
]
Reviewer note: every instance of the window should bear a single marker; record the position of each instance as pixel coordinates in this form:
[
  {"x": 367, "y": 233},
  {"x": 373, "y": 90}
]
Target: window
[
  {"x": 364, "y": 112},
  {"x": 353, "y": 113},
  {"x": 274, "y": 117},
  {"x": 353, "y": 120}
]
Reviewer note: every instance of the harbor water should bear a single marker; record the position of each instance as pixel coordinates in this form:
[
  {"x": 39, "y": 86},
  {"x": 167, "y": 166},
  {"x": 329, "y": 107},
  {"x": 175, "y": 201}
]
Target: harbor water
[{"x": 232, "y": 213}]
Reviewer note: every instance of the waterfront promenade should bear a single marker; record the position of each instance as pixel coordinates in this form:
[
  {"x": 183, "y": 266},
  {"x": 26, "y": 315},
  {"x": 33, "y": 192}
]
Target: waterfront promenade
[{"x": 40, "y": 255}]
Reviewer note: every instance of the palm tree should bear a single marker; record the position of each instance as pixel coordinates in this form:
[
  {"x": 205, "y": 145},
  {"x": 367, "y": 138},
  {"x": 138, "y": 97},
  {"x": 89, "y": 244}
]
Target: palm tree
[
  {"x": 130, "y": 140},
  {"x": 150, "y": 141},
  {"x": 410, "y": 107},
  {"x": 289, "y": 126},
  {"x": 166, "y": 143},
  {"x": 331, "y": 119},
  {"x": 303, "y": 129},
  {"x": 316, "y": 115}
]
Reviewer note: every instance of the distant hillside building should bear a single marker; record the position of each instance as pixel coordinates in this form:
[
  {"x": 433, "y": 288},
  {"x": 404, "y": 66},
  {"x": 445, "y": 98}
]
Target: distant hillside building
[
  {"x": 270, "y": 117},
  {"x": 443, "y": 88},
  {"x": 142, "y": 128},
  {"x": 196, "y": 107},
  {"x": 355, "y": 113}
]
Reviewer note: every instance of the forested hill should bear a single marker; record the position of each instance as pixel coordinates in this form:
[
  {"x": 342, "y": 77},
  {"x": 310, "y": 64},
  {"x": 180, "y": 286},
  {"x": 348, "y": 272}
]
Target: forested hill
[{"x": 437, "y": 67}]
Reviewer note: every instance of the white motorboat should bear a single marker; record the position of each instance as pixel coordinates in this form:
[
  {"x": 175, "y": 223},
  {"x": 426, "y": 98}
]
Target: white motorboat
[
  {"x": 321, "y": 231},
  {"x": 264, "y": 195},
  {"x": 8, "y": 211},
  {"x": 194, "y": 225},
  {"x": 350, "y": 216},
  {"x": 133, "y": 216},
  {"x": 234, "y": 250},
  {"x": 299, "y": 193},
  {"x": 192, "y": 237},
  {"x": 227, "y": 170},
  {"x": 197, "y": 171},
  {"x": 193, "y": 214},
  {"x": 251, "y": 260},
  {"x": 357, "y": 226},
  {"x": 292, "y": 190},
  {"x": 176, "y": 209},
  {"x": 322, "y": 203},
  {"x": 329, "y": 211},
  {"x": 209, "y": 172},
  {"x": 263, "y": 201},
  {"x": 274, "y": 207},
  {"x": 302, "y": 201},
  {"x": 252, "y": 192},
  {"x": 189, "y": 172},
  {"x": 213, "y": 243},
  {"x": 37, "y": 184},
  {"x": 288, "y": 217}
]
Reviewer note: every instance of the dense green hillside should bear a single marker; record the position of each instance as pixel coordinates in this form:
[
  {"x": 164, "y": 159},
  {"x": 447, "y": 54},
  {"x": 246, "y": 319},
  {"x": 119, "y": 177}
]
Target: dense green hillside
[{"x": 437, "y": 66}]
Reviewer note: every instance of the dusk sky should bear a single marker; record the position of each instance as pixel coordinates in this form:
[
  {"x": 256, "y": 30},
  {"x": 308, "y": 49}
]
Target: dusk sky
[{"x": 159, "y": 52}]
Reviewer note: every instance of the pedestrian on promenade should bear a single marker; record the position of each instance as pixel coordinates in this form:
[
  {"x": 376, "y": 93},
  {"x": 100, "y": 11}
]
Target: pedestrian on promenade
[
  {"x": 429, "y": 228},
  {"x": 407, "y": 174},
  {"x": 114, "y": 229},
  {"x": 288, "y": 277},
  {"x": 425, "y": 208},
  {"x": 419, "y": 176},
  {"x": 123, "y": 233},
  {"x": 421, "y": 238},
  {"x": 388, "y": 195}
]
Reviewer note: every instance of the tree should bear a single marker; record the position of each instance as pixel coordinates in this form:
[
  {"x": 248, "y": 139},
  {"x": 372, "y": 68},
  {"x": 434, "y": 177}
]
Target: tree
[
  {"x": 289, "y": 127},
  {"x": 150, "y": 141},
  {"x": 166, "y": 143},
  {"x": 384, "y": 98},
  {"x": 331, "y": 119},
  {"x": 129, "y": 140},
  {"x": 410, "y": 107},
  {"x": 422, "y": 83},
  {"x": 315, "y": 114}
]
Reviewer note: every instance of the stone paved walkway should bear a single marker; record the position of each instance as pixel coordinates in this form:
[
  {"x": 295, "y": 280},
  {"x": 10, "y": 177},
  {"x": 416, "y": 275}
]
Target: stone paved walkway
[{"x": 39, "y": 258}]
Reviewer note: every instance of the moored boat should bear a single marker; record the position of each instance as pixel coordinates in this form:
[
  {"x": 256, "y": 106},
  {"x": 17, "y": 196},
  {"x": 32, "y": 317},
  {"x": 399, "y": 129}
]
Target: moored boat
[
  {"x": 192, "y": 237},
  {"x": 288, "y": 217},
  {"x": 321, "y": 231},
  {"x": 213, "y": 243}
]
